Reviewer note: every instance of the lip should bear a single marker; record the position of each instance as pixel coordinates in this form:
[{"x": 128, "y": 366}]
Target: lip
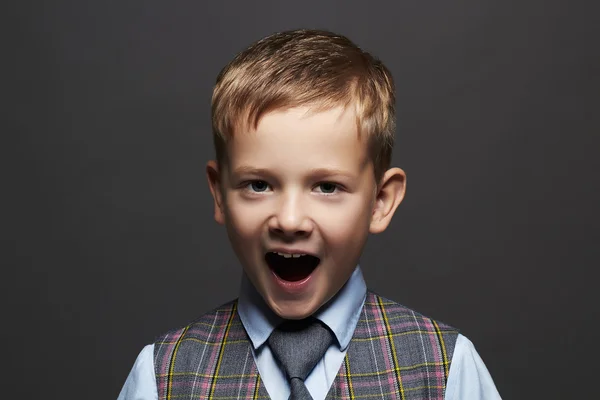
[{"x": 293, "y": 287}]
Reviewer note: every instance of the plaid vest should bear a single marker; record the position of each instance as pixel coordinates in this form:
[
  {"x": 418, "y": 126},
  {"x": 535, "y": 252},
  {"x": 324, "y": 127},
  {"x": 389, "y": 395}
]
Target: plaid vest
[{"x": 394, "y": 353}]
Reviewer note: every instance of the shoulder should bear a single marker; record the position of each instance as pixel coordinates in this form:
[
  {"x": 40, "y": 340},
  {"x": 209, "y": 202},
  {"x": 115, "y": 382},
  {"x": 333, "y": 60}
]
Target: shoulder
[
  {"x": 469, "y": 378},
  {"x": 203, "y": 326}
]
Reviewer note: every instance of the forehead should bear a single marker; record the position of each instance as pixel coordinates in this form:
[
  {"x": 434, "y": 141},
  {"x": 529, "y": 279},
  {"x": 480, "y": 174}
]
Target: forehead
[{"x": 299, "y": 138}]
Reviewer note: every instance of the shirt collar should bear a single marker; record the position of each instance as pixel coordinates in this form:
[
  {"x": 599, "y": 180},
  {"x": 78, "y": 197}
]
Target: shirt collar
[{"x": 340, "y": 314}]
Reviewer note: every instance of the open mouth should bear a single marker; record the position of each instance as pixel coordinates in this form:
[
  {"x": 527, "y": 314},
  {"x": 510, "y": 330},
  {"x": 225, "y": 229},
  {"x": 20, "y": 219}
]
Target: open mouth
[{"x": 291, "y": 268}]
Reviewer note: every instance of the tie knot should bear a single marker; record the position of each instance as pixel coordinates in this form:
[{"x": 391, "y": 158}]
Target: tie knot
[{"x": 299, "y": 345}]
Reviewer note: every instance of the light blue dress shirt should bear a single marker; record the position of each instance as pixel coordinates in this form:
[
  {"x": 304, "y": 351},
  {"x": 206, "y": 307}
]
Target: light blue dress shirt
[{"x": 468, "y": 378}]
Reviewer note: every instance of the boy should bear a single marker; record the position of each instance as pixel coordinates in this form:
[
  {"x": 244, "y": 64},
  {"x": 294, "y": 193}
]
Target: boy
[{"x": 303, "y": 126}]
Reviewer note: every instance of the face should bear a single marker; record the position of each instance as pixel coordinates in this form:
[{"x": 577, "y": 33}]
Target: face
[{"x": 298, "y": 198}]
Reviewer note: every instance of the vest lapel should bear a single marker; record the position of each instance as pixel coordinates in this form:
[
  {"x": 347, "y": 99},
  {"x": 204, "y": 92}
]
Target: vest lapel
[
  {"x": 376, "y": 365},
  {"x": 210, "y": 358}
]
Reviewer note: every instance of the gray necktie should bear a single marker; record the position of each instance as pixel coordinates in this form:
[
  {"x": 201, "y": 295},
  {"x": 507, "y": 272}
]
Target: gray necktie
[{"x": 298, "y": 346}]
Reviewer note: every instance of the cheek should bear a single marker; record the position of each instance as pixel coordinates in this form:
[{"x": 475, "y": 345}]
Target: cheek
[
  {"x": 347, "y": 227},
  {"x": 244, "y": 220}
]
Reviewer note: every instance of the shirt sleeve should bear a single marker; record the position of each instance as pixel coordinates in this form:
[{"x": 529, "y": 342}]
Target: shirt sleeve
[
  {"x": 468, "y": 378},
  {"x": 141, "y": 382}
]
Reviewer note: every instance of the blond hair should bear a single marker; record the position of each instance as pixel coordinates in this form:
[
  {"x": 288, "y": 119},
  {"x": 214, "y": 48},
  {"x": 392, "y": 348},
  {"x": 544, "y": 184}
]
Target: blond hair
[{"x": 306, "y": 67}]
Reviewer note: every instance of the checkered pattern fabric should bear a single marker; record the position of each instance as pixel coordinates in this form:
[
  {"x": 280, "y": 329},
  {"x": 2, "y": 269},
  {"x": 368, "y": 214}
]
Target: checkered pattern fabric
[{"x": 395, "y": 353}]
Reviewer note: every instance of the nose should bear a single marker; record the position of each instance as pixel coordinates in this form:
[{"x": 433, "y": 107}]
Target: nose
[{"x": 290, "y": 219}]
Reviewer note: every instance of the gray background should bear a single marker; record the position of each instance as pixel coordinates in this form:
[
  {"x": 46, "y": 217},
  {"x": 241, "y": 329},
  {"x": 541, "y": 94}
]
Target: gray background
[{"x": 107, "y": 218}]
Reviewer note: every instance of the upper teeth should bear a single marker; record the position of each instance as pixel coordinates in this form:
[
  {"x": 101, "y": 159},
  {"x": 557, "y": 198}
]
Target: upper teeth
[{"x": 287, "y": 255}]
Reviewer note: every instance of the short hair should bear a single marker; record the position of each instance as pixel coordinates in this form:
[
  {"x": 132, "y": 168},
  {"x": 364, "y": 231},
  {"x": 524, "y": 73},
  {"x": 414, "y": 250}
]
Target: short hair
[{"x": 306, "y": 68}]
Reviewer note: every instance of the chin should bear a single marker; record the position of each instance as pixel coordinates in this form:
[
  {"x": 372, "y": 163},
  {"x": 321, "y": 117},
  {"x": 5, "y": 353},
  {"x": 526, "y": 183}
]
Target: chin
[{"x": 294, "y": 309}]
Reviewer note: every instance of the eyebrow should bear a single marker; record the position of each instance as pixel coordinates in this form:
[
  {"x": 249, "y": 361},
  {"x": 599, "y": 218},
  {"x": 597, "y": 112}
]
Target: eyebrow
[
  {"x": 330, "y": 172},
  {"x": 320, "y": 172},
  {"x": 247, "y": 170}
]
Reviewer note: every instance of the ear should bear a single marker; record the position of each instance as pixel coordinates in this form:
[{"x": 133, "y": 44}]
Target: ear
[
  {"x": 214, "y": 182},
  {"x": 389, "y": 196}
]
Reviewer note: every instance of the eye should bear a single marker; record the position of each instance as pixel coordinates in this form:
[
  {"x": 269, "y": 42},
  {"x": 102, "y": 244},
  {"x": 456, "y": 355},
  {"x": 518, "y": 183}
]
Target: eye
[
  {"x": 257, "y": 186},
  {"x": 328, "y": 187}
]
